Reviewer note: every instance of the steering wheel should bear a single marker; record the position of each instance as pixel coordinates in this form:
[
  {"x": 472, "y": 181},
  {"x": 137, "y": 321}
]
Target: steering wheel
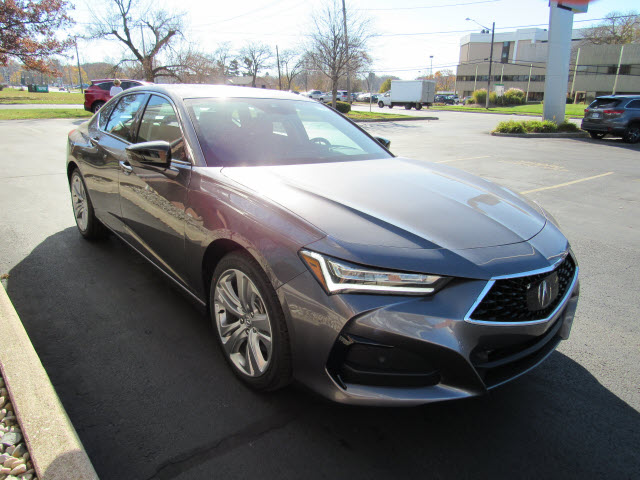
[{"x": 321, "y": 141}]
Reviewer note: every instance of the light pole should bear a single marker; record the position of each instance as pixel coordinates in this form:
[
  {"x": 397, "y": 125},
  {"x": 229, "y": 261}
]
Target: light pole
[
  {"x": 431, "y": 69},
  {"x": 493, "y": 31}
]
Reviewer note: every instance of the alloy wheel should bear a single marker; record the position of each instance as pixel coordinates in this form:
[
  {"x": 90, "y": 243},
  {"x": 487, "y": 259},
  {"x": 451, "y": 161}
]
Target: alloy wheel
[
  {"x": 79, "y": 201},
  {"x": 243, "y": 323}
]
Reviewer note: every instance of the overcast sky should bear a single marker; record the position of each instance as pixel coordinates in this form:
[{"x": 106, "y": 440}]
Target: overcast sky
[{"x": 407, "y": 32}]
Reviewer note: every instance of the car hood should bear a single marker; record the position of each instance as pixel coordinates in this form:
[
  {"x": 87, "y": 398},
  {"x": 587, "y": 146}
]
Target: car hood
[{"x": 397, "y": 202}]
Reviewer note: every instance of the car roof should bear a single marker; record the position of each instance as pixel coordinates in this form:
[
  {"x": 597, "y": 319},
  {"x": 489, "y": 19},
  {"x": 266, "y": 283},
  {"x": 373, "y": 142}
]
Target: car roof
[
  {"x": 218, "y": 91},
  {"x": 617, "y": 97}
]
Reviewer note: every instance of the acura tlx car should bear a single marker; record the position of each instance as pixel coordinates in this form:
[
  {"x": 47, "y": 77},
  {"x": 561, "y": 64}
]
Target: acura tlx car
[{"x": 318, "y": 254}]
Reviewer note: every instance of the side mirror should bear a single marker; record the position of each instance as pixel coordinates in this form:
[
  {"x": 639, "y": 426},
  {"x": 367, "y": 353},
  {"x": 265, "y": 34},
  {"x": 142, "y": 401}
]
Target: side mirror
[
  {"x": 154, "y": 154},
  {"x": 386, "y": 143}
]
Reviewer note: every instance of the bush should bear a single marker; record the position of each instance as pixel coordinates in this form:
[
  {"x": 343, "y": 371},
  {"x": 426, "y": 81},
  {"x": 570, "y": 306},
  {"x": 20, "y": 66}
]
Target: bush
[
  {"x": 386, "y": 86},
  {"x": 511, "y": 126},
  {"x": 480, "y": 96},
  {"x": 514, "y": 96},
  {"x": 343, "y": 107},
  {"x": 569, "y": 100},
  {"x": 568, "y": 126}
]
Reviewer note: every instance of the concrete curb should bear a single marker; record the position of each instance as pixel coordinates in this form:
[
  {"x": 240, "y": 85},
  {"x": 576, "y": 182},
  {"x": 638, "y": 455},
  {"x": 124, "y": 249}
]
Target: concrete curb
[
  {"x": 411, "y": 119},
  {"x": 56, "y": 451},
  {"x": 543, "y": 135}
]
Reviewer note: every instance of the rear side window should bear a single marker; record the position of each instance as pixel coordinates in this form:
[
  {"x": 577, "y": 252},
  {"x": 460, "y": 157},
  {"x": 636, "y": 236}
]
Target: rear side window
[
  {"x": 634, "y": 104},
  {"x": 121, "y": 120},
  {"x": 105, "y": 86},
  {"x": 605, "y": 103}
]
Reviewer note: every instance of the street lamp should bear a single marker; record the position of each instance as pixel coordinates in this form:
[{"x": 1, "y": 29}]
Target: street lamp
[
  {"x": 493, "y": 31},
  {"x": 431, "y": 69}
]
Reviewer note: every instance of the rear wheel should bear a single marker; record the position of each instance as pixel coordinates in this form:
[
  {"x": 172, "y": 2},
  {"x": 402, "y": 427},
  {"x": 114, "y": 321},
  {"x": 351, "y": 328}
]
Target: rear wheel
[
  {"x": 407, "y": 106},
  {"x": 249, "y": 323},
  {"x": 632, "y": 133},
  {"x": 418, "y": 106},
  {"x": 97, "y": 106},
  {"x": 597, "y": 135},
  {"x": 88, "y": 225}
]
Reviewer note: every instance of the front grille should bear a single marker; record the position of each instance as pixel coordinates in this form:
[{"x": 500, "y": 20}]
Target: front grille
[{"x": 507, "y": 301}]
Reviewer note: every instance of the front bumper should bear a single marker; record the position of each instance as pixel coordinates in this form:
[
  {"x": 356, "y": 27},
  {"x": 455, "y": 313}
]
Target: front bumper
[{"x": 436, "y": 353}]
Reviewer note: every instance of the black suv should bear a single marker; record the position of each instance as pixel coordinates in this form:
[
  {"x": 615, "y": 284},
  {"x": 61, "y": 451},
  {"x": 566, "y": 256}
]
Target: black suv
[{"x": 617, "y": 115}]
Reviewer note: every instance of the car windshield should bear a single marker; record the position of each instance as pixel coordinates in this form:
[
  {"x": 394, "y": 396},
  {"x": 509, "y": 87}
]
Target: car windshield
[{"x": 259, "y": 131}]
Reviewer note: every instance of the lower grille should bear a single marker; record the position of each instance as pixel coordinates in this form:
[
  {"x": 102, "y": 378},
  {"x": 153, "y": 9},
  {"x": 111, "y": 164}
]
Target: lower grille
[{"x": 521, "y": 299}]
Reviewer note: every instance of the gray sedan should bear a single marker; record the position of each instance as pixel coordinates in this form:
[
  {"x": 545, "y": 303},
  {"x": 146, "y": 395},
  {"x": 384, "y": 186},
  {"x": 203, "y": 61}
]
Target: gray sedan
[{"x": 318, "y": 254}]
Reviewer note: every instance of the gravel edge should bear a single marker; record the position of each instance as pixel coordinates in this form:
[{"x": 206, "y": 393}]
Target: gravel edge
[{"x": 55, "y": 450}]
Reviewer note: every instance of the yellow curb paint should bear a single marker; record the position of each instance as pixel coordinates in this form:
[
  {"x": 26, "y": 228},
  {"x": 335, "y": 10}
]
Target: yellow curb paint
[{"x": 567, "y": 183}]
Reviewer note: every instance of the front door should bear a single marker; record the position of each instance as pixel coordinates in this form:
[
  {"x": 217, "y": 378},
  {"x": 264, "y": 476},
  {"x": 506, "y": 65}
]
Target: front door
[{"x": 152, "y": 199}]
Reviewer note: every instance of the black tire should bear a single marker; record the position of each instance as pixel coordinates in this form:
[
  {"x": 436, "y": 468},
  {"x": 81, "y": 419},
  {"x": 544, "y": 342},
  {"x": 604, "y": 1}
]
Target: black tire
[
  {"x": 380, "y": 104},
  {"x": 97, "y": 106},
  {"x": 90, "y": 227},
  {"x": 407, "y": 106},
  {"x": 597, "y": 135},
  {"x": 418, "y": 106},
  {"x": 632, "y": 133},
  {"x": 278, "y": 371},
  {"x": 391, "y": 105}
]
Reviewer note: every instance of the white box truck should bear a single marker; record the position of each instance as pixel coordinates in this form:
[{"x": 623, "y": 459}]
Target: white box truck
[{"x": 409, "y": 94}]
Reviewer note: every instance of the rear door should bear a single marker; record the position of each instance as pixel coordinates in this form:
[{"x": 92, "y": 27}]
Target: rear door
[{"x": 152, "y": 198}]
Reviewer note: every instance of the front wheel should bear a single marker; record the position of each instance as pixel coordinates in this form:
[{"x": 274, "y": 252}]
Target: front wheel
[
  {"x": 407, "y": 106},
  {"x": 380, "y": 104},
  {"x": 249, "y": 323},
  {"x": 632, "y": 133},
  {"x": 597, "y": 135},
  {"x": 86, "y": 221}
]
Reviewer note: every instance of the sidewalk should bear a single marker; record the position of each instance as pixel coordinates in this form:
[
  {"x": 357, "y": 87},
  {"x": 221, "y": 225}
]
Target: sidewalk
[{"x": 27, "y": 106}]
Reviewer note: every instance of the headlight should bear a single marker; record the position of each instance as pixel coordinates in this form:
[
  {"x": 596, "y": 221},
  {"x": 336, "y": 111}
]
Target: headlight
[{"x": 340, "y": 276}]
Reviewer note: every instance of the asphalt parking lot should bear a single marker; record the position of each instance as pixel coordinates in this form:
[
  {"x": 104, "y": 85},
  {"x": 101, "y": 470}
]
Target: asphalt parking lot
[{"x": 139, "y": 372}]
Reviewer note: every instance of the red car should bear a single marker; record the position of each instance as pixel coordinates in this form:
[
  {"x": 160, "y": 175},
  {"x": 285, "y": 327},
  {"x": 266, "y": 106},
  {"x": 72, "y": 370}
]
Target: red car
[{"x": 98, "y": 93}]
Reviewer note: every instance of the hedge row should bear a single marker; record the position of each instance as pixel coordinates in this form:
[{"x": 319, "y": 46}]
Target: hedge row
[{"x": 535, "y": 126}]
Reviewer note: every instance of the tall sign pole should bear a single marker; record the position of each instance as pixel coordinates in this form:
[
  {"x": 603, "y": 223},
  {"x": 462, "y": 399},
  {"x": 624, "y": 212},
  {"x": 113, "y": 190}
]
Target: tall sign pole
[
  {"x": 79, "y": 71},
  {"x": 493, "y": 32},
  {"x": 558, "y": 57}
]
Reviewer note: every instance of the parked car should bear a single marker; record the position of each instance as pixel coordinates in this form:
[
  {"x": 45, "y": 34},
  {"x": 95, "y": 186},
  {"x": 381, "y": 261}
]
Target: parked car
[
  {"x": 412, "y": 283},
  {"x": 616, "y": 115},
  {"x": 97, "y": 94},
  {"x": 315, "y": 94},
  {"x": 341, "y": 96}
]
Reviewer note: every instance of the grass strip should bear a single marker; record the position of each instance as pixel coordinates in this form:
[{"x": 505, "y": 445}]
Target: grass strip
[
  {"x": 354, "y": 115},
  {"x": 42, "y": 113},
  {"x": 571, "y": 111},
  {"x": 13, "y": 96}
]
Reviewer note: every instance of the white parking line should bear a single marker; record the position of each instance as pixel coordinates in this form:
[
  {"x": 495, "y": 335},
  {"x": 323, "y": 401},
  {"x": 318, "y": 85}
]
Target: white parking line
[
  {"x": 460, "y": 159},
  {"x": 567, "y": 183}
]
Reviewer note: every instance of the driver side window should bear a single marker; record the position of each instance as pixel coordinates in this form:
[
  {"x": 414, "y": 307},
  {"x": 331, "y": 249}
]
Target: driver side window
[{"x": 160, "y": 122}]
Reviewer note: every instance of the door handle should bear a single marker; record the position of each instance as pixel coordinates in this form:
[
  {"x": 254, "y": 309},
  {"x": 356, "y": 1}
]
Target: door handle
[{"x": 126, "y": 168}]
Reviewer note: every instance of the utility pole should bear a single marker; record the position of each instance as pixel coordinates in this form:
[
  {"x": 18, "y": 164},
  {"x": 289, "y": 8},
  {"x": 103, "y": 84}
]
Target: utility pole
[
  {"x": 431, "y": 68},
  {"x": 575, "y": 70},
  {"x": 79, "y": 71},
  {"x": 278, "y": 60},
  {"x": 526, "y": 100},
  {"x": 346, "y": 51},
  {"x": 144, "y": 50},
  {"x": 493, "y": 31}
]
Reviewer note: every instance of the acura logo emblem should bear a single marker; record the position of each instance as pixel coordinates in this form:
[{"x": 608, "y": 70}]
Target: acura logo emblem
[{"x": 542, "y": 294}]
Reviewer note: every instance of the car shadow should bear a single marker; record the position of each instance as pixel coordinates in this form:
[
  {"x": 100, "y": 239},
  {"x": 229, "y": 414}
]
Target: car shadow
[
  {"x": 611, "y": 142},
  {"x": 139, "y": 372}
]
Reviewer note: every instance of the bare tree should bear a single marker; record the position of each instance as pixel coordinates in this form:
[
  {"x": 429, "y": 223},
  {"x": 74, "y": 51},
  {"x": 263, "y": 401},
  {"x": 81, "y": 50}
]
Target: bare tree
[
  {"x": 328, "y": 50},
  {"x": 222, "y": 57},
  {"x": 127, "y": 21},
  {"x": 291, "y": 64},
  {"x": 618, "y": 28},
  {"x": 256, "y": 56}
]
